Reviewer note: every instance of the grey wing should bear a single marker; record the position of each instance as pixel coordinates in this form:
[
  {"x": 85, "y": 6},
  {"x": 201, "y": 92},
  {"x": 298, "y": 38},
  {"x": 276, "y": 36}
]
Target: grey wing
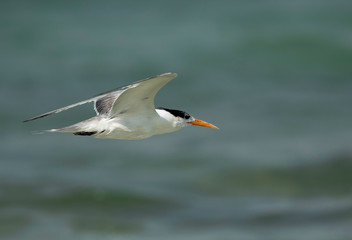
[
  {"x": 102, "y": 104},
  {"x": 105, "y": 103},
  {"x": 60, "y": 109},
  {"x": 138, "y": 98}
]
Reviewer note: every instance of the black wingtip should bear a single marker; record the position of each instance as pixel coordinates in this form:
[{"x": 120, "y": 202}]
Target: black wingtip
[
  {"x": 27, "y": 120},
  {"x": 34, "y": 118}
]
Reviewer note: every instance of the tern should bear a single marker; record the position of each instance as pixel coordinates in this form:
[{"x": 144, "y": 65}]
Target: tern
[{"x": 129, "y": 113}]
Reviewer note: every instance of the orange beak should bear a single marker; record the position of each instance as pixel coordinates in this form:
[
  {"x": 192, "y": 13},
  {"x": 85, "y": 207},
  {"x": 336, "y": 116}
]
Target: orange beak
[{"x": 198, "y": 122}]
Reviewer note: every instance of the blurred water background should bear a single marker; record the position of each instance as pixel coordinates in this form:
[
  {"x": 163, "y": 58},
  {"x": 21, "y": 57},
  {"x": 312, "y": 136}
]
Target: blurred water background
[{"x": 275, "y": 76}]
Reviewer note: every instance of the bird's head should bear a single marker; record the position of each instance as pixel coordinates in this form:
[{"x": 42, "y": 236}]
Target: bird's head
[{"x": 182, "y": 119}]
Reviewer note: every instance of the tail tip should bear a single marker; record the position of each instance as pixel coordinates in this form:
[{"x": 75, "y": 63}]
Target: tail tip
[{"x": 44, "y": 131}]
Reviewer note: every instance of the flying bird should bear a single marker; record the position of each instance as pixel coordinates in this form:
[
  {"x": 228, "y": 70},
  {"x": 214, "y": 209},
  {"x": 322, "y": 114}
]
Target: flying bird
[{"x": 128, "y": 112}]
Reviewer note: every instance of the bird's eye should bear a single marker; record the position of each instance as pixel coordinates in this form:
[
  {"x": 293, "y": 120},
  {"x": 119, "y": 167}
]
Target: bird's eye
[{"x": 187, "y": 116}]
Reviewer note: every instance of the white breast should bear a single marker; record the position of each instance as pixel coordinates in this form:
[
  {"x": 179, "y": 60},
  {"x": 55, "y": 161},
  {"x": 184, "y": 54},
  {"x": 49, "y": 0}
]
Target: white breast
[{"x": 137, "y": 127}]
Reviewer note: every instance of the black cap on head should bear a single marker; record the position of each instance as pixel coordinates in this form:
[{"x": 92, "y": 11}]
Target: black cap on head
[{"x": 177, "y": 113}]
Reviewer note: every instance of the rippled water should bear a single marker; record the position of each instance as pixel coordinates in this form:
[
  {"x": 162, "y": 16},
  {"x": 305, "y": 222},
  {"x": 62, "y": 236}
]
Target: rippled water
[{"x": 274, "y": 76}]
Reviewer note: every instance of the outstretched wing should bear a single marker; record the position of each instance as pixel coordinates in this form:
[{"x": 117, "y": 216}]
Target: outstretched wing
[
  {"x": 60, "y": 109},
  {"x": 138, "y": 98},
  {"x": 117, "y": 101}
]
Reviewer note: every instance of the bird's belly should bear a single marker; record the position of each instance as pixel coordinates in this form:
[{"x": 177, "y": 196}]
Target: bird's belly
[
  {"x": 131, "y": 130},
  {"x": 122, "y": 134}
]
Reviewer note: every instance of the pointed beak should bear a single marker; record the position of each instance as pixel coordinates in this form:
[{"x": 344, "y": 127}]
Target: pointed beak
[{"x": 198, "y": 122}]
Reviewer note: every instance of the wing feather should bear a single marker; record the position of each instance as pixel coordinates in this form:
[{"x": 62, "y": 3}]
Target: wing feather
[
  {"x": 136, "y": 97},
  {"x": 104, "y": 104},
  {"x": 139, "y": 97},
  {"x": 60, "y": 109}
]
